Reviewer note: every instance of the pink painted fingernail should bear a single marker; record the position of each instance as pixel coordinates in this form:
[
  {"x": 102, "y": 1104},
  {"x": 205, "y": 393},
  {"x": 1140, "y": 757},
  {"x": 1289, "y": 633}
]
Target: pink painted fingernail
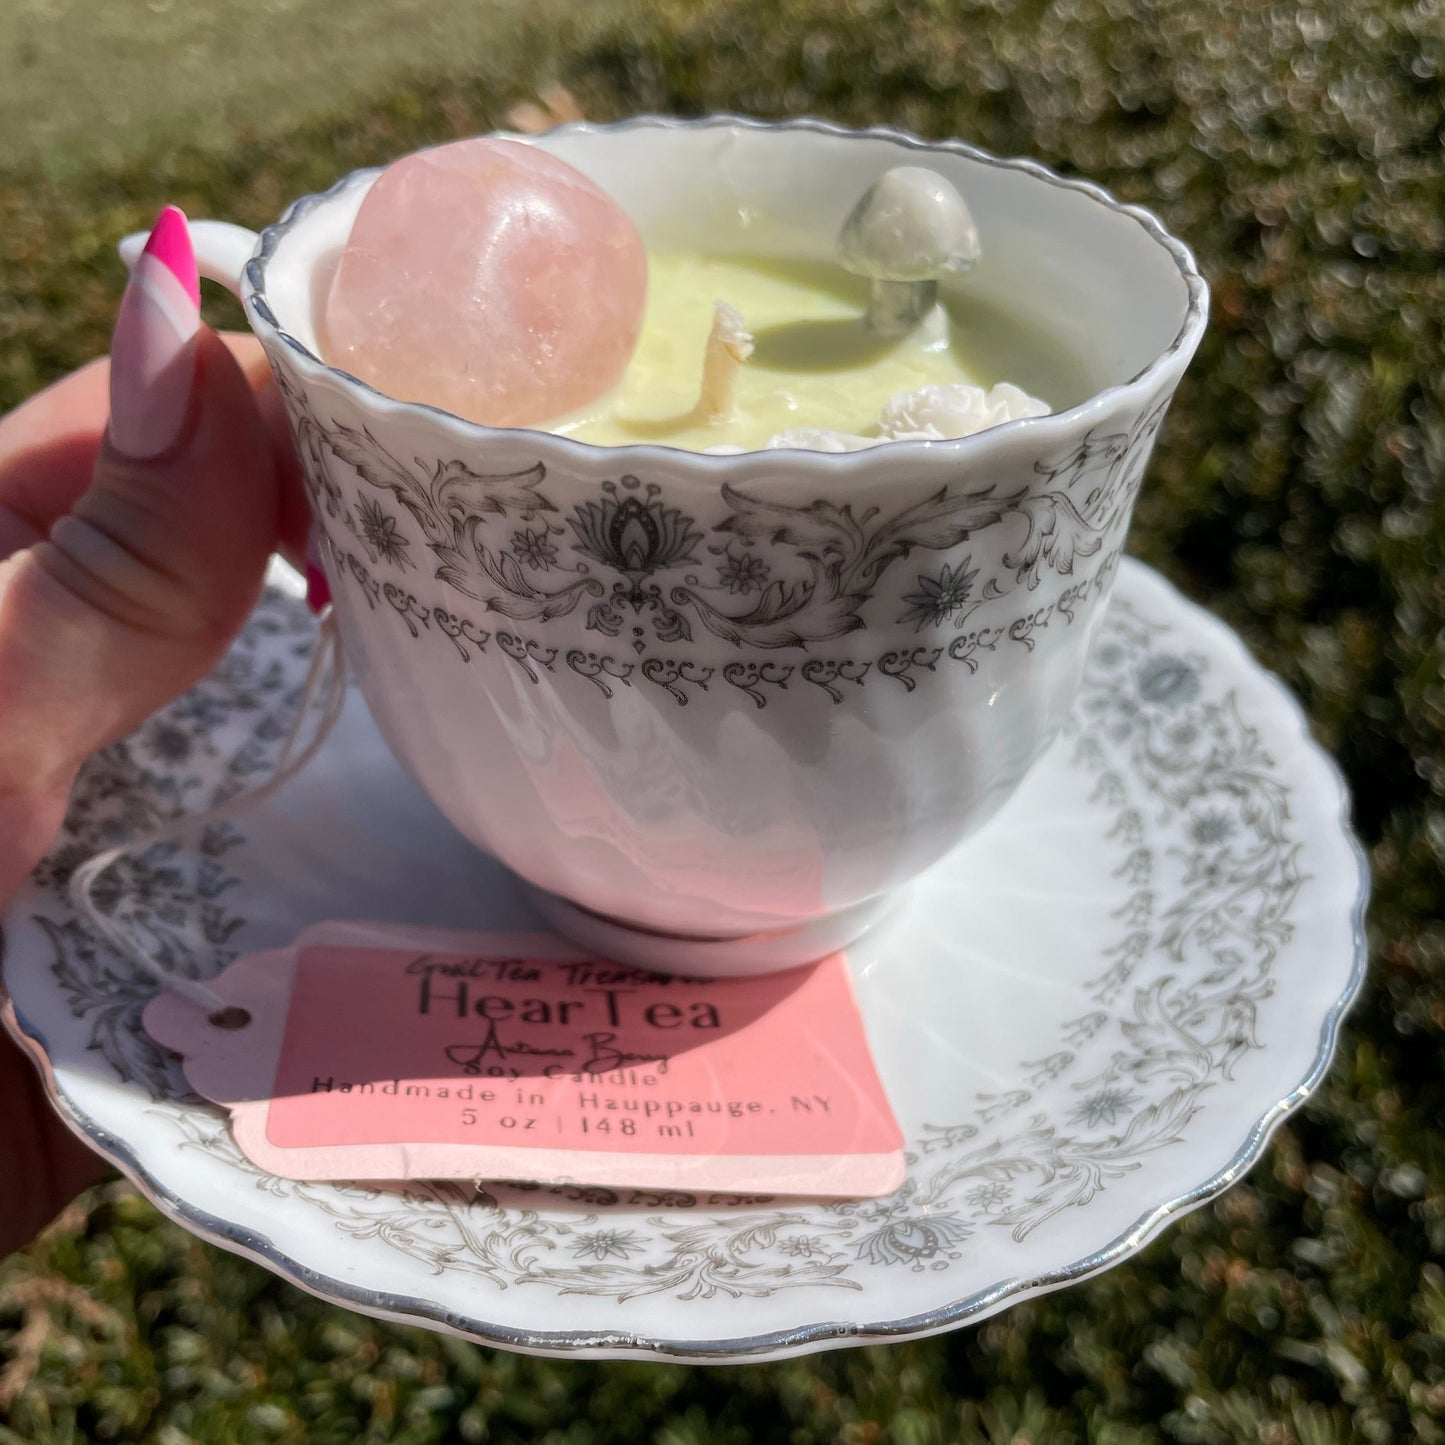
[{"x": 153, "y": 352}]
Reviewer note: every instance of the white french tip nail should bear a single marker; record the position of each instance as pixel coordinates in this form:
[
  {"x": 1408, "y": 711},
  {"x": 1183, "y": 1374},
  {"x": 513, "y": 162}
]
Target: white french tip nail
[{"x": 132, "y": 247}]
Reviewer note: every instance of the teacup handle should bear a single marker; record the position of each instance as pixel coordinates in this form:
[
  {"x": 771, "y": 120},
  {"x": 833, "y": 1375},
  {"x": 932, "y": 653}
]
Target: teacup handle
[{"x": 222, "y": 251}]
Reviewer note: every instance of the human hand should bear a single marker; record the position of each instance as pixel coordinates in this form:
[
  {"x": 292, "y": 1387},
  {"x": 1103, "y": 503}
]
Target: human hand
[{"x": 130, "y": 555}]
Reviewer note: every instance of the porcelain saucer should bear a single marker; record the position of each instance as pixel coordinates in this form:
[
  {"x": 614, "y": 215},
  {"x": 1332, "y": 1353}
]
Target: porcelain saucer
[{"x": 1089, "y": 1018}]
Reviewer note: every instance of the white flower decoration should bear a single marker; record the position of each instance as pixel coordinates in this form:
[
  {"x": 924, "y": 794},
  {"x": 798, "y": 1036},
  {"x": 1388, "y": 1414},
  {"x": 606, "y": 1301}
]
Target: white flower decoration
[
  {"x": 955, "y": 410},
  {"x": 930, "y": 414}
]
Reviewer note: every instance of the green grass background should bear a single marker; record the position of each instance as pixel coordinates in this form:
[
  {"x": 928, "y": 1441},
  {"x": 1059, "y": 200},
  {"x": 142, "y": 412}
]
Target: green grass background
[{"x": 1296, "y": 491}]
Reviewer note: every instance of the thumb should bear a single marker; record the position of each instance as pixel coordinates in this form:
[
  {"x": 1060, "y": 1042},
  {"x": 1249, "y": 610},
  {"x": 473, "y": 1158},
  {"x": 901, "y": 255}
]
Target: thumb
[{"x": 139, "y": 589}]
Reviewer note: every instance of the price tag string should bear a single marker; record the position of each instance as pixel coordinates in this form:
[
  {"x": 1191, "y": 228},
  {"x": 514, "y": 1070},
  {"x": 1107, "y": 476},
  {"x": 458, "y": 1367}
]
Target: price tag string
[{"x": 326, "y": 682}]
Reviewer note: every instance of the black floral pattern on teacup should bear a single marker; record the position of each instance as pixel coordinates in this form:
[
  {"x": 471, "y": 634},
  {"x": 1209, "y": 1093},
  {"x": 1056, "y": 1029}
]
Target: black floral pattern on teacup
[
  {"x": 792, "y": 577},
  {"x": 535, "y": 548},
  {"x": 743, "y": 573},
  {"x": 941, "y": 599},
  {"x": 378, "y": 532}
]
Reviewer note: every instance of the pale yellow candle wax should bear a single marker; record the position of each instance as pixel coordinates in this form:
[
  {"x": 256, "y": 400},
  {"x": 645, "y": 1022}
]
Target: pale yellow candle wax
[{"x": 814, "y": 363}]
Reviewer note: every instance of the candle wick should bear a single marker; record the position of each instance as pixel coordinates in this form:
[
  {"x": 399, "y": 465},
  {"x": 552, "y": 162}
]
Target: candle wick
[{"x": 729, "y": 344}]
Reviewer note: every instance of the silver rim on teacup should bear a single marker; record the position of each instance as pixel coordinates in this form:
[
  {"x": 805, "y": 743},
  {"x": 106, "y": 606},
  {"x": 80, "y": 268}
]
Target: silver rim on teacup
[{"x": 628, "y": 907}]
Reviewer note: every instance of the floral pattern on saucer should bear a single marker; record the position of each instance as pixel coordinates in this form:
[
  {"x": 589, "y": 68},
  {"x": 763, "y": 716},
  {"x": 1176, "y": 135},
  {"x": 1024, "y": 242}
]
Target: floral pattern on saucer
[
  {"x": 1202, "y": 831},
  {"x": 1144, "y": 713}
]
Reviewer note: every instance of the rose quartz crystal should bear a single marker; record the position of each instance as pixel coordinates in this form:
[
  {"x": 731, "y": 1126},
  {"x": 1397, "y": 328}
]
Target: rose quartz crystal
[{"x": 490, "y": 279}]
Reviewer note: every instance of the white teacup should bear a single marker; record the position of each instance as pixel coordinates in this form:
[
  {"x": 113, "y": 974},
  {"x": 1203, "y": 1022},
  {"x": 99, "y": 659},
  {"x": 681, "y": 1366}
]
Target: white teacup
[{"x": 715, "y": 710}]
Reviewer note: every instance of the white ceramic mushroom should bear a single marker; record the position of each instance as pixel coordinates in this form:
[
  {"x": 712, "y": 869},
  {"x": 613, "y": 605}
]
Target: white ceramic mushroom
[{"x": 909, "y": 228}]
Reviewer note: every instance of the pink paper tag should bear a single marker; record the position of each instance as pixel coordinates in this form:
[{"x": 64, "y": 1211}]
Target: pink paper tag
[{"x": 373, "y": 1051}]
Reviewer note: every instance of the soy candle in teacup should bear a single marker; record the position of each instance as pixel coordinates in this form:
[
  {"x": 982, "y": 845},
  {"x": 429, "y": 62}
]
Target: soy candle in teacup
[
  {"x": 718, "y": 709},
  {"x": 525, "y": 307}
]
